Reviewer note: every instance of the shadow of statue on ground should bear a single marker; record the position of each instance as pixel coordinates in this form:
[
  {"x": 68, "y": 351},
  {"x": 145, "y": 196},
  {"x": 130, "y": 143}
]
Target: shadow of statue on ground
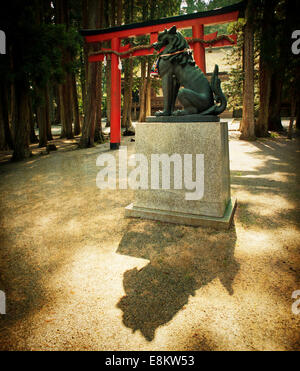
[{"x": 182, "y": 260}]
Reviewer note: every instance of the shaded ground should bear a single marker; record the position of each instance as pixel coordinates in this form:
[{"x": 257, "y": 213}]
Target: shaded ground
[
  {"x": 77, "y": 275},
  {"x": 61, "y": 144},
  {"x": 71, "y": 144}
]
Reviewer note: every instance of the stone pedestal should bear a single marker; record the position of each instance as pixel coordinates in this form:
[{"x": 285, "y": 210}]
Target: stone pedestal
[{"x": 209, "y": 139}]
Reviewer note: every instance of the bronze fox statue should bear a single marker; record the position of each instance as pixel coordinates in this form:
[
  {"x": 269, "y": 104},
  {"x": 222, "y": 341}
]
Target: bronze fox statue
[{"x": 177, "y": 68}]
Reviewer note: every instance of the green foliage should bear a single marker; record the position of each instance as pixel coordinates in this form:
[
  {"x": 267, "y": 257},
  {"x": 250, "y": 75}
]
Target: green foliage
[
  {"x": 156, "y": 9},
  {"x": 273, "y": 21},
  {"x": 37, "y": 45},
  {"x": 233, "y": 87},
  {"x": 44, "y": 60},
  {"x": 191, "y": 6}
]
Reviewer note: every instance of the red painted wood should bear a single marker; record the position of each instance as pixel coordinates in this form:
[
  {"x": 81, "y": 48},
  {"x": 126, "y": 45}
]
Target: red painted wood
[
  {"x": 199, "y": 51},
  {"x": 153, "y": 37},
  {"x": 210, "y": 36},
  {"x": 125, "y": 48},
  {"x": 115, "y": 115},
  {"x": 217, "y": 19},
  {"x": 100, "y": 57},
  {"x": 223, "y": 42},
  {"x": 139, "y": 53},
  {"x": 96, "y": 58}
]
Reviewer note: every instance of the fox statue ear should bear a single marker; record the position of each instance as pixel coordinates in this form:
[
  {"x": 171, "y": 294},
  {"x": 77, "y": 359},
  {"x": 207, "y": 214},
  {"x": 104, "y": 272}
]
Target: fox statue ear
[{"x": 172, "y": 30}]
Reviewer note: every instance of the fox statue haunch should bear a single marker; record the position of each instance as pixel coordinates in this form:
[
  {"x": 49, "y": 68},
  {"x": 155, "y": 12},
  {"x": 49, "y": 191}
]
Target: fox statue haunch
[{"x": 177, "y": 68}]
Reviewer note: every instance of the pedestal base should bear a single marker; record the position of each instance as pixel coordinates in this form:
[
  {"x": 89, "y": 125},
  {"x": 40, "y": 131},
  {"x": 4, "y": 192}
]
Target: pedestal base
[{"x": 132, "y": 211}]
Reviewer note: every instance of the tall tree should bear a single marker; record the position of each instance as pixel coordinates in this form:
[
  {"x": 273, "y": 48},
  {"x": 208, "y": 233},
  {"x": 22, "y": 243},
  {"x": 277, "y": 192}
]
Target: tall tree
[
  {"x": 21, "y": 124},
  {"x": 247, "y": 125},
  {"x": 5, "y": 132},
  {"x": 265, "y": 65},
  {"x": 65, "y": 89},
  {"x": 286, "y": 13},
  {"x": 99, "y": 137},
  {"x": 33, "y": 136},
  {"x": 18, "y": 55},
  {"x": 276, "y": 20},
  {"x": 143, "y": 87},
  {"x": 77, "y": 128},
  {"x": 41, "y": 87},
  {"x": 43, "y": 116},
  {"x": 92, "y": 15}
]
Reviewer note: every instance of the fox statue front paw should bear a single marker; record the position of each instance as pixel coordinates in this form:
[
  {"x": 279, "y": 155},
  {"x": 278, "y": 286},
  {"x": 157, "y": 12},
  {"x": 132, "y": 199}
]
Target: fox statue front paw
[
  {"x": 178, "y": 113},
  {"x": 162, "y": 113}
]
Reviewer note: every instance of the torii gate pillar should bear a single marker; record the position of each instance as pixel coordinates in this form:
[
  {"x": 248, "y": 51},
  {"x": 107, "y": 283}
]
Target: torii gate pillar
[
  {"x": 199, "y": 50},
  {"x": 115, "y": 113}
]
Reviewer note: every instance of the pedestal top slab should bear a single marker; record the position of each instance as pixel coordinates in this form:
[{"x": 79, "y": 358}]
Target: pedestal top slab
[{"x": 186, "y": 118}]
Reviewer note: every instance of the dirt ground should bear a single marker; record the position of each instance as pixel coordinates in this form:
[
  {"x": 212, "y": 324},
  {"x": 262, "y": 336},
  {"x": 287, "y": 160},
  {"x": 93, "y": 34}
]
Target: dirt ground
[{"x": 79, "y": 276}]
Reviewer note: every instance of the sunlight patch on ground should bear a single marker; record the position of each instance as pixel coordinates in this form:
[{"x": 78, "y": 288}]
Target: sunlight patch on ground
[{"x": 79, "y": 276}]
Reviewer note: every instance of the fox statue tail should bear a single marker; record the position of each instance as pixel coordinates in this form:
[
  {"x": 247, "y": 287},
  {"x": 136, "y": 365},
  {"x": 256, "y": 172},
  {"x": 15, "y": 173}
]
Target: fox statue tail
[{"x": 219, "y": 97}]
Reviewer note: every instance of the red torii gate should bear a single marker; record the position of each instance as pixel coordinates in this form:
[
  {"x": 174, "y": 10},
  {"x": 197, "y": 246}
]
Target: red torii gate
[{"x": 196, "y": 21}]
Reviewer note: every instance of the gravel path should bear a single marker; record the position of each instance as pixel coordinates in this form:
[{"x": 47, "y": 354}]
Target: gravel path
[{"x": 78, "y": 276}]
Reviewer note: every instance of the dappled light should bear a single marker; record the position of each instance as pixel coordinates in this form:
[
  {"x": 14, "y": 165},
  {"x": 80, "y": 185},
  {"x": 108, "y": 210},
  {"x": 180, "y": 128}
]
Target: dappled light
[{"x": 86, "y": 278}]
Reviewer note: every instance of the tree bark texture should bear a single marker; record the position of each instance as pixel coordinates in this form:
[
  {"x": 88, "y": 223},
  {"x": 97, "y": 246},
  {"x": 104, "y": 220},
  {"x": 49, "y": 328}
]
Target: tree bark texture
[{"x": 247, "y": 124}]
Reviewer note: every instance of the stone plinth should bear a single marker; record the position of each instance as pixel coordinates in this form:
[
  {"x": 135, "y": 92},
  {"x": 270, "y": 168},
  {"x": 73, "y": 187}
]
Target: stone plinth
[
  {"x": 186, "y": 118},
  {"x": 215, "y": 208}
]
